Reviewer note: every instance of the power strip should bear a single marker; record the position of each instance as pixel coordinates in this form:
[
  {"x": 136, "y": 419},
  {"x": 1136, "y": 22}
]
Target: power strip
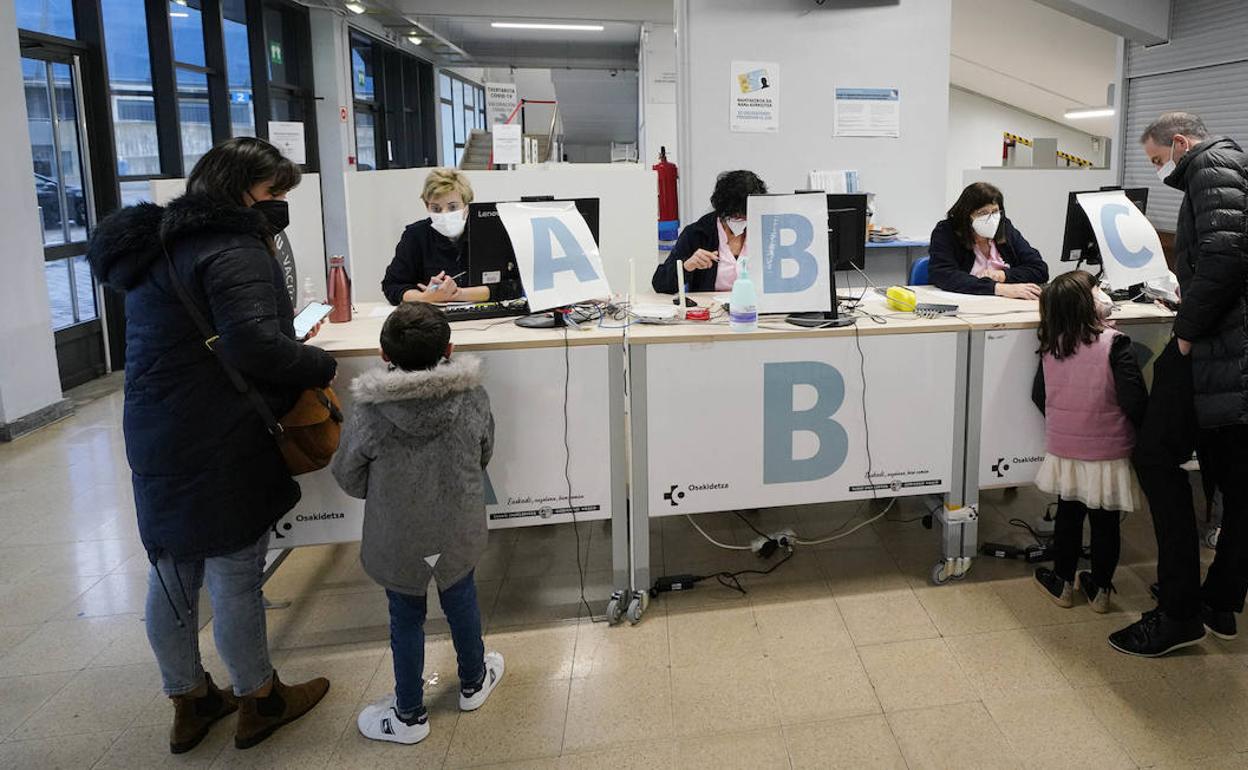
[{"x": 764, "y": 547}]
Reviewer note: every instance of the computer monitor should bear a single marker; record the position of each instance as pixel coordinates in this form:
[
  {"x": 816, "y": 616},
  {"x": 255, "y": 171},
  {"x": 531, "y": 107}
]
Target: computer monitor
[
  {"x": 847, "y": 229},
  {"x": 490, "y": 255},
  {"x": 1078, "y": 239}
]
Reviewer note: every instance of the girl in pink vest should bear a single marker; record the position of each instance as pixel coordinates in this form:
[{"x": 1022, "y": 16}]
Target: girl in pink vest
[{"x": 1092, "y": 394}]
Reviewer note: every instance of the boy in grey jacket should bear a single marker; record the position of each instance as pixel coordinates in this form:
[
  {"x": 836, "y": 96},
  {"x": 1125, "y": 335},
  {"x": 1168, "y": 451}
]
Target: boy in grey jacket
[{"x": 414, "y": 448}]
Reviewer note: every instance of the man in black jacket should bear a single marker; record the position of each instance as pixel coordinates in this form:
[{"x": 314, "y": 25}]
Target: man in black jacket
[{"x": 1200, "y": 392}]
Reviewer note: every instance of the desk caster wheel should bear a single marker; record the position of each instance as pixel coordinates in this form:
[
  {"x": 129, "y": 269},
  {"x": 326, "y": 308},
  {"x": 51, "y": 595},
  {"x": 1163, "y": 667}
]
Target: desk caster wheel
[
  {"x": 950, "y": 569},
  {"x": 615, "y": 608},
  {"x": 634, "y": 611}
]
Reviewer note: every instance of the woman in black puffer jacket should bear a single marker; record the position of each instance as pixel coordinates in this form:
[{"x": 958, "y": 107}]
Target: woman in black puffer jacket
[{"x": 209, "y": 480}]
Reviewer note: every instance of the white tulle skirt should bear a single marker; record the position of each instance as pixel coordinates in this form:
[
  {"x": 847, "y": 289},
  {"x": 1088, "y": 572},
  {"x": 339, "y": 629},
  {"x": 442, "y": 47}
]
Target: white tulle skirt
[{"x": 1107, "y": 484}]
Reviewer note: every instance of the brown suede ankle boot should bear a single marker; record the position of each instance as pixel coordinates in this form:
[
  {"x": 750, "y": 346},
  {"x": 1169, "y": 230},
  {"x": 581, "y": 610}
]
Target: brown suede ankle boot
[
  {"x": 195, "y": 713},
  {"x": 258, "y": 718}
]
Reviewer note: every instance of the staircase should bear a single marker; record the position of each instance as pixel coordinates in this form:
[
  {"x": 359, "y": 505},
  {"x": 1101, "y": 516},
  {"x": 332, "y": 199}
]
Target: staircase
[{"x": 481, "y": 144}]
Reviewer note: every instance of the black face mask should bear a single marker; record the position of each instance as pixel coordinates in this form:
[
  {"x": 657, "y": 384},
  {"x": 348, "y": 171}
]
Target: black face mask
[{"x": 275, "y": 212}]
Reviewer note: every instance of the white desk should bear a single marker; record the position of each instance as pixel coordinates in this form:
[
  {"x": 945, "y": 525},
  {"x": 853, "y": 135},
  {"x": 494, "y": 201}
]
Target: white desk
[{"x": 524, "y": 373}]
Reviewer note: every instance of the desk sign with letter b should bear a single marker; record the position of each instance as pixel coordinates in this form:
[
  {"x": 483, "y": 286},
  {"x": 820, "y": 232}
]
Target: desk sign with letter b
[
  {"x": 556, "y": 255},
  {"x": 787, "y": 242}
]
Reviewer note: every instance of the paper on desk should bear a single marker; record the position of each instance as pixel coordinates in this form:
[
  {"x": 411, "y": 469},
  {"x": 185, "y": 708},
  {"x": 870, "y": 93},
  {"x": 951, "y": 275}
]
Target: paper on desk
[{"x": 380, "y": 312}]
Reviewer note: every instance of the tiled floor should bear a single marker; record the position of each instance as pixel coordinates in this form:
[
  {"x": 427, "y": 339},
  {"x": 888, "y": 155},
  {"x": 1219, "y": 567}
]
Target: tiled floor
[{"x": 844, "y": 657}]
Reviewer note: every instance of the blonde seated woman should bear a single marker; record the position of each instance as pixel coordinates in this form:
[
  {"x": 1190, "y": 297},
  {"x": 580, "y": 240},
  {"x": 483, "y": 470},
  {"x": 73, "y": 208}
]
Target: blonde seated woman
[{"x": 431, "y": 259}]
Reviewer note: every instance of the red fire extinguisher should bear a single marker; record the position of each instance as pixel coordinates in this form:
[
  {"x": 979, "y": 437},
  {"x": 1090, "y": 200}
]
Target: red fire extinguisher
[
  {"x": 339, "y": 290},
  {"x": 669, "y": 209}
]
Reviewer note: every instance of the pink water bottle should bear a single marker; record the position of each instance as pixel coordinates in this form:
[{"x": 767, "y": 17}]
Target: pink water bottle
[{"x": 339, "y": 284}]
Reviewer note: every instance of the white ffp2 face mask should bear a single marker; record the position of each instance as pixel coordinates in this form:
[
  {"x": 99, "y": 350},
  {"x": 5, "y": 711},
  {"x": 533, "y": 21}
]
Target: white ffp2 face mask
[
  {"x": 986, "y": 226},
  {"x": 735, "y": 226},
  {"x": 1167, "y": 169},
  {"x": 450, "y": 223},
  {"x": 1104, "y": 304}
]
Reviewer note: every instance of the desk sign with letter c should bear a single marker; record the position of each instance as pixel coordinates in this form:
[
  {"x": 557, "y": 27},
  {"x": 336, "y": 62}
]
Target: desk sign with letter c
[{"x": 787, "y": 244}]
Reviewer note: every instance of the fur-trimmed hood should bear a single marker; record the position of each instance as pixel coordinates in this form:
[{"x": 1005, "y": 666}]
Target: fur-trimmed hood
[
  {"x": 126, "y": 243},
  {"x": 421, "y": 402}
]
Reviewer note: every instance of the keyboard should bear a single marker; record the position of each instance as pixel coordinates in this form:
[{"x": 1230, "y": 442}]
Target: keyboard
[
  {"x": 934, "y": 309},
  {"x": 485, "y": 310}
]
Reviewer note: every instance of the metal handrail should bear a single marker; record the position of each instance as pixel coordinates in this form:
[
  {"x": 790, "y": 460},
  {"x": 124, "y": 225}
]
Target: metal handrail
[{"x": 550, "y": 135}]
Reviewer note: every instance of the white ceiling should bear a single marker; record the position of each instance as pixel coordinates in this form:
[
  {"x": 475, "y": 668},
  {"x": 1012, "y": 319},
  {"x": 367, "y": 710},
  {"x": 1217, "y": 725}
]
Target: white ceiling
[{"x": 1034, "y": 58}]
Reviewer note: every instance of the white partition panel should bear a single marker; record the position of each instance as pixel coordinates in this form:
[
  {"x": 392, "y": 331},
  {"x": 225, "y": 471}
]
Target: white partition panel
[
  {"x": 382, "y": 203},
  {"x": 307, "y": 236}
]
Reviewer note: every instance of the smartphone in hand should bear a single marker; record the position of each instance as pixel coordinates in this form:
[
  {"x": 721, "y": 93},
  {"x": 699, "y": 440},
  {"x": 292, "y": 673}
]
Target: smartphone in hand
[{"x": 309, "y": 317}]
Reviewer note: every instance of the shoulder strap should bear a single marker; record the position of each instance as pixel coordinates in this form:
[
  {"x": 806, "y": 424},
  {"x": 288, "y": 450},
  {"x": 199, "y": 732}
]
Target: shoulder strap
[{"x": 210, "y": 338}]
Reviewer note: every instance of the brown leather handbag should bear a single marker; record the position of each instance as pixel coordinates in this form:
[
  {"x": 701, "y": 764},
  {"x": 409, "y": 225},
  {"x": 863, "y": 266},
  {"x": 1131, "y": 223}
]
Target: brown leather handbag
[
  {"x": 308, "y": 434},
  {"x": 310, "y": 431}
]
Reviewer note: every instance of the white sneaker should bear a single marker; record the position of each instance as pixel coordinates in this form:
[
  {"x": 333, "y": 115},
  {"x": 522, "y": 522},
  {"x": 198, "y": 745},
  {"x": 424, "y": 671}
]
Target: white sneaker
[
  {"x": 493, "y": 675},
  {"x": 380, "y": 722}
]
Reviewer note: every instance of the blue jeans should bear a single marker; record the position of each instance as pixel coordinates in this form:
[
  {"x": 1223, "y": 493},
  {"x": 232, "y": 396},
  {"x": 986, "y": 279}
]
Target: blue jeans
[
  {"x": 407, "y": 640},
  {"x": 234, "y": 582}
]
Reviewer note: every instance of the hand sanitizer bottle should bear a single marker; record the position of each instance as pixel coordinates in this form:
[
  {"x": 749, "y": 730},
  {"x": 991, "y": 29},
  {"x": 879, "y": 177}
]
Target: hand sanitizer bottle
[{"x": 743, "y": 304}]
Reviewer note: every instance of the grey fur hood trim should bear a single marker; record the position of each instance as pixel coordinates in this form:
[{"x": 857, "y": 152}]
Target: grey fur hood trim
[{"x": 379, "y": 386}]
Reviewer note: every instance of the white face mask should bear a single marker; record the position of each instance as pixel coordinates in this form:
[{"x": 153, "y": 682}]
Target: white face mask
[
  {"x": 986, "y": 226},
  {"x": 1167, "y": 169},
  {"x": 1104, "y": 305},
  {"x": 735, "y": 226},
  {"x": 450, "y": 223}
]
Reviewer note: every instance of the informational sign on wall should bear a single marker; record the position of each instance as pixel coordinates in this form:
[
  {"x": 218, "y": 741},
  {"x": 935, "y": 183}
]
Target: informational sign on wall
[
  {"x": 868, "y": 112},
  {"x": 1130, "y": 248},
  {"x": 556, "y": 255},
  {"x": 287, "y": 137},
  {"x": 788, "y": 257},
  {"x": 524, "y": 483},
  {"x": 800, "y": 434},
  {"x": 508, "y": 139},
  {"x": 754, "y": 97},
  {"x": 500, "y": 100}
]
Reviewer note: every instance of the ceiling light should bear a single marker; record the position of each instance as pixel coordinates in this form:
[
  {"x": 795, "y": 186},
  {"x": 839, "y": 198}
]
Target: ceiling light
[
  {"x": 355, "y": 7},
  {"x": 1089, "y": 112},
  {"x": 414, "y": 39},
  {"x": 564, "y": 27},
  {"x": 179, "y": 15},
  {"x": 180, "y": 2}
]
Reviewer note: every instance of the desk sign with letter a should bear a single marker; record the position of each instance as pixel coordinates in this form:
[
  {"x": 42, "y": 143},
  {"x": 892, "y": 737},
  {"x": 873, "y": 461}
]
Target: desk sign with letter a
[
  {"x": 787, "y": 244},
  {"x": 556, "y": 255}
]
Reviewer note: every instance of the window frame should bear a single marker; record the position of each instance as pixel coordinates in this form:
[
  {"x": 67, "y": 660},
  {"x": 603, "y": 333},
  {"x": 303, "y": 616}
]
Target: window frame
[
  {"x": 404, "y": 126},
  {"x": 477, "y": 111}
]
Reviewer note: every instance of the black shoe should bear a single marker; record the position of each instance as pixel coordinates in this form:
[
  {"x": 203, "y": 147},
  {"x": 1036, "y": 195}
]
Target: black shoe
[
  {"x": 1220, "y": 624},
  {"x": 1054, "y": 587},
  {"x": 1098, "y": 598},
  {"x": 1154, "y": 591},
  {"x": 1157, "y": 634}
]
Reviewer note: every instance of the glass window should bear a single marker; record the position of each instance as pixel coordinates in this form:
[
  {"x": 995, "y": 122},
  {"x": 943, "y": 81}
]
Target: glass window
[
  {"x": 286, "y": 106},
  {"x": 186, "y": 22},
  {"x": 238, "y": 68},
  {"x": 60, "y": 294},
  {"x": 130, "y": 80},
  {"x": 365, "y": 141},
  {"x": 448, "y": 136},
  {"x": 135, "y": 191},
  {"x": 362, "y": 69},
  {"x": 193, "y": 116},
  {"x": 276, "y": 33},
  {"x": 457, "y": 93},
  {"x": 84, "y": 288},
  {"x": 51, "y": 17},
  {"x": 444, "y": 85}
]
